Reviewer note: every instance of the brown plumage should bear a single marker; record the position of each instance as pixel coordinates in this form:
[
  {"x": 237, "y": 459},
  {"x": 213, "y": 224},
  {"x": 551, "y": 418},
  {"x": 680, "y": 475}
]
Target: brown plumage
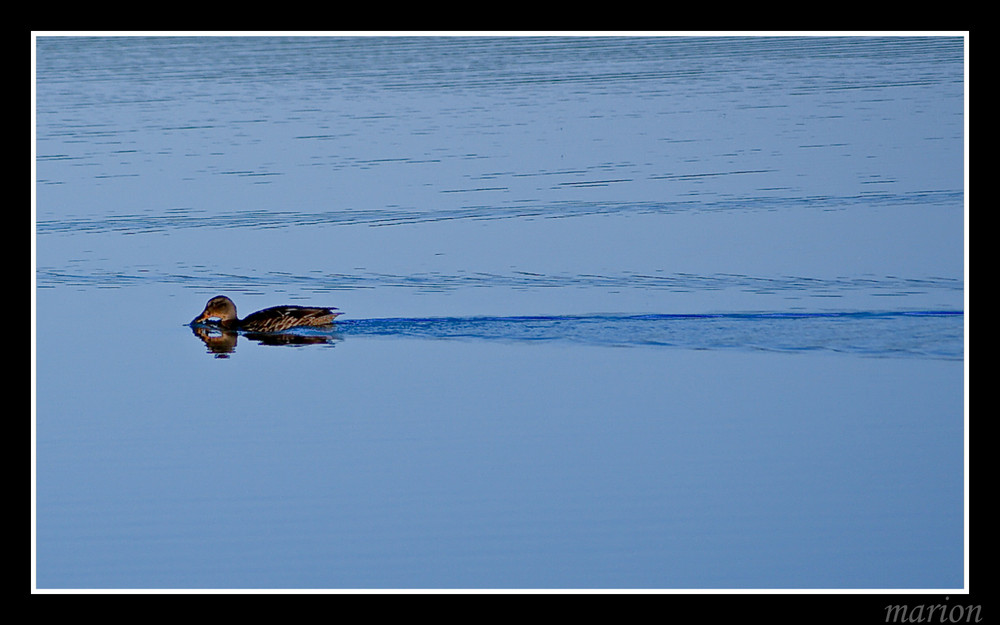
[{"x": 276, "y": 319}]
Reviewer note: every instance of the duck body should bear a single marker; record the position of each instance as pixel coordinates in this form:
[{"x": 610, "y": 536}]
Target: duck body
[{"x": 276, "y": 319}]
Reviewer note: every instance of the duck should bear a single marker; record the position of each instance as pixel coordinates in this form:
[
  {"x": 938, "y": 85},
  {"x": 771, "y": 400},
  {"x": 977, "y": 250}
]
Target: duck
[{"x": 275, "y": 319}]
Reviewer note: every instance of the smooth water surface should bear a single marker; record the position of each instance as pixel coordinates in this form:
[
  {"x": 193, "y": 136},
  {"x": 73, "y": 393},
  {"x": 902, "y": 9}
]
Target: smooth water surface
[{"x": 620, "y": 312}]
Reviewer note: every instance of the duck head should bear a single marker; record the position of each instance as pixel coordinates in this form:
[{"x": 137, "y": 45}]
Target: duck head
[{"x": 219, "y": 307}]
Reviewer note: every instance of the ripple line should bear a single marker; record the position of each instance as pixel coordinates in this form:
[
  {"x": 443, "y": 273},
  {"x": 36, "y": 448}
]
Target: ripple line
[{"x": 934, "y": 334}]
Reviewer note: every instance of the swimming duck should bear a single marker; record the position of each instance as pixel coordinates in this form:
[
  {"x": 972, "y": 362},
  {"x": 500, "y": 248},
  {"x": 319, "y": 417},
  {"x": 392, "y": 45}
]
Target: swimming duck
[{"x": 276, "y": 319}]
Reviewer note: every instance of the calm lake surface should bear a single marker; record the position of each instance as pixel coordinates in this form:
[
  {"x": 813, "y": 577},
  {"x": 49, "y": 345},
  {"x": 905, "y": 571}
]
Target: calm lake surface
[{"x": 619, "y": 312}]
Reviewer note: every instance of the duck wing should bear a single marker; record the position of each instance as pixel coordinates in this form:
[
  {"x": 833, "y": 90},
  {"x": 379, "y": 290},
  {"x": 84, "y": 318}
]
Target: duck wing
[{"x": 284, "y": 317}]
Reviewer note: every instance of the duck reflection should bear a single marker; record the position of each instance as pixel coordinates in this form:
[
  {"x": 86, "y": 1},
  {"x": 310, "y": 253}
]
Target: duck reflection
[{"x": 222, "y": 342}]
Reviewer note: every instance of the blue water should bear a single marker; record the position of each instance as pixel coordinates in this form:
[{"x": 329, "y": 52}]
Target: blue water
[{"x": 620, "y": 312}]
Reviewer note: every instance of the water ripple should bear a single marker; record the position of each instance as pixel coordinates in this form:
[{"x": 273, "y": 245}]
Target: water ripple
[
  {"x": 432, "y": 281},
  {"x": 922, "y": 334},
  {"x": 184, "y": 218}
]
